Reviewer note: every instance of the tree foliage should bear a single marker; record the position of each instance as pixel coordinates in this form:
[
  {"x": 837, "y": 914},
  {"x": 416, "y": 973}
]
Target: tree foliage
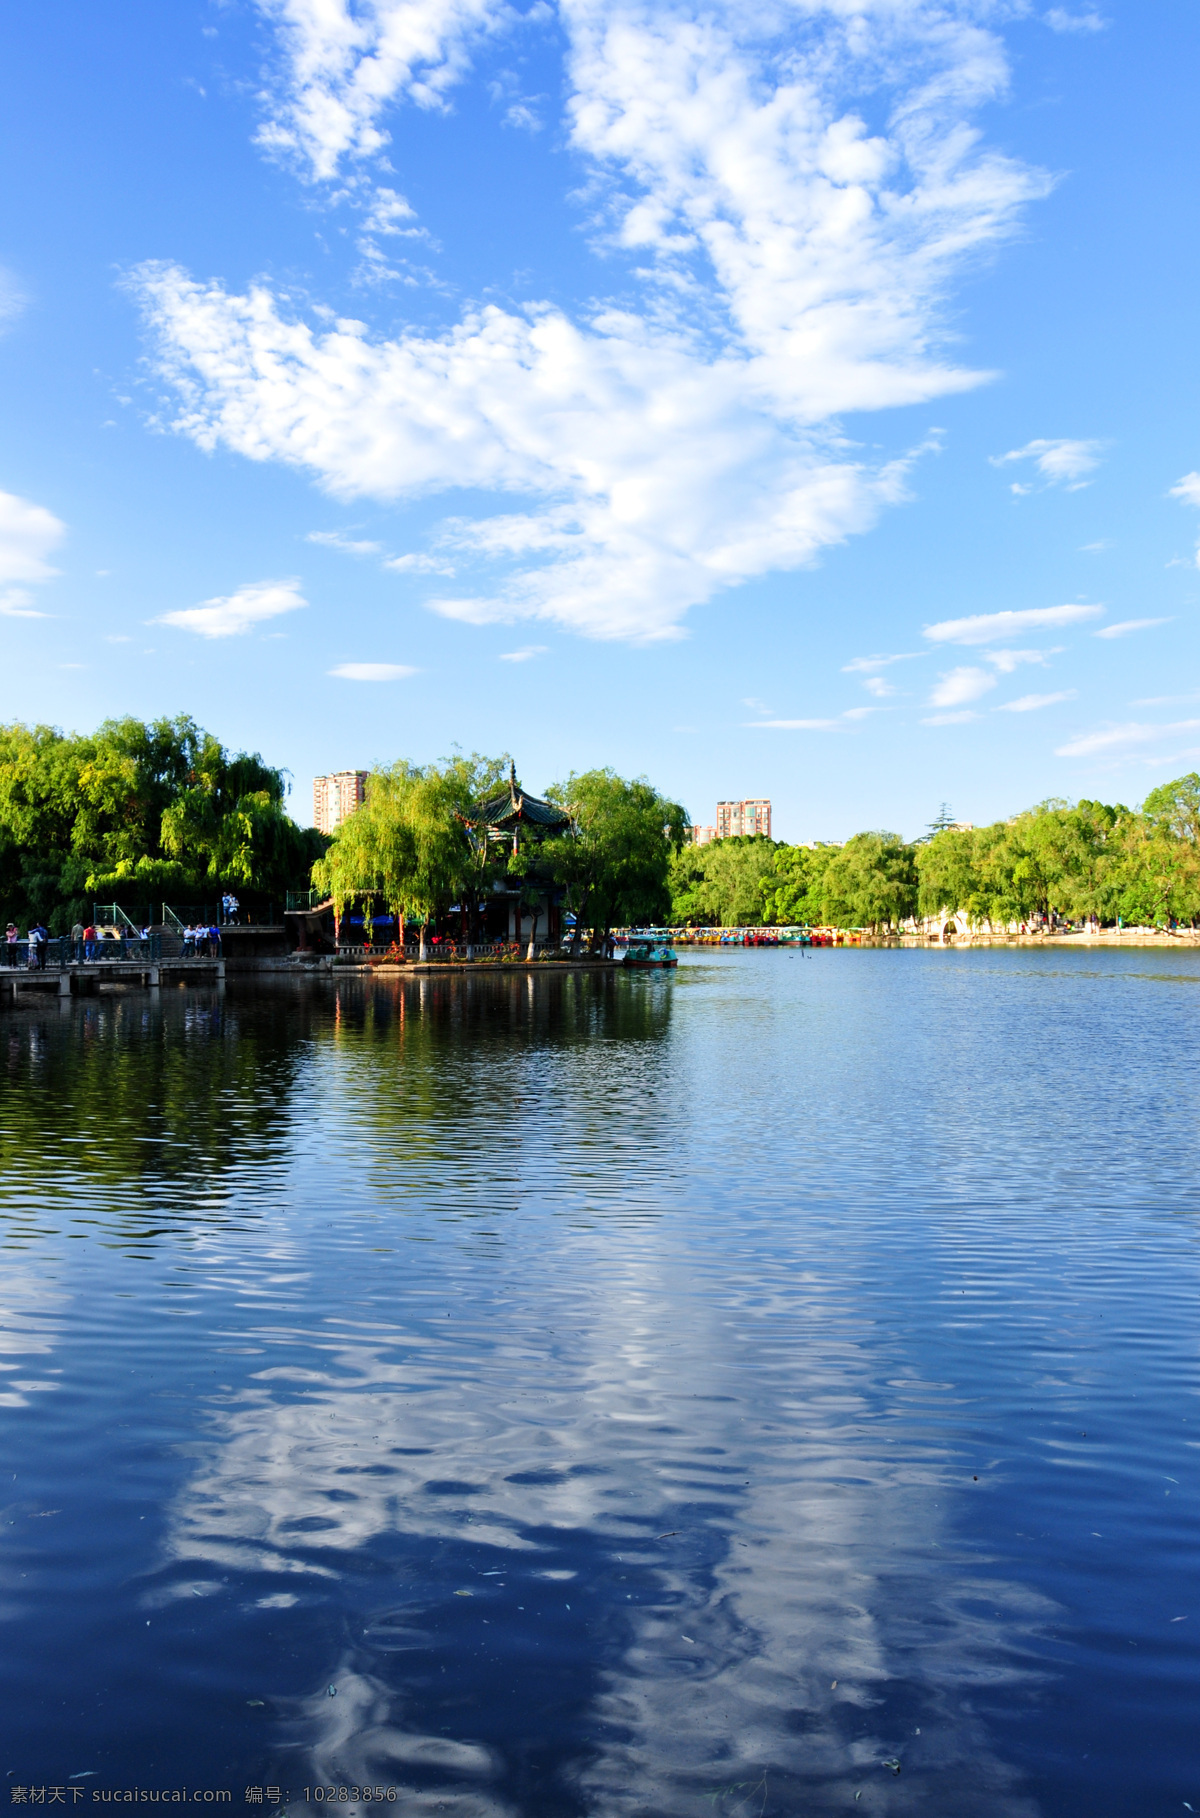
[
  {"x": 724, "y": 884},
  {"x": 1077, "y": 860},
  {"x": 418, "y": 842},
  {"x": 414, "y": 841},
  {"x": 139, "y": 811},
  {"x": 1074, "y": 859},
  {"x": 870, "y": 883},
  {"x": 615, "y": 865}
]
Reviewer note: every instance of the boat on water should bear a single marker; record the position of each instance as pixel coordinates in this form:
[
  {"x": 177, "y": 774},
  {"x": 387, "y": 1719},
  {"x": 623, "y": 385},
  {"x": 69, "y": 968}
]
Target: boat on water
[{"x": 645, "y": 953}]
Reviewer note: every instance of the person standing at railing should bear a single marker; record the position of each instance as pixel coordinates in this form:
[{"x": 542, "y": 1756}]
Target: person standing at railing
[
  {"x": 89, "y": 942},
  {"x": 10, "y": 944},
  {"x": 77, "y": 941},
  {"x": 37, "y": 947}
]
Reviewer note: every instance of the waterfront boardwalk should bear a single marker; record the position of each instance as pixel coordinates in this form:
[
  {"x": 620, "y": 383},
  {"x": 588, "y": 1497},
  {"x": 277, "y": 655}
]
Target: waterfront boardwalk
[{"x": 77, "y": 978}]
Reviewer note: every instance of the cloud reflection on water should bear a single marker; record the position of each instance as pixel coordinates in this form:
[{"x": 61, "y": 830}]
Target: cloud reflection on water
[{"x": 406, "y": 1463}]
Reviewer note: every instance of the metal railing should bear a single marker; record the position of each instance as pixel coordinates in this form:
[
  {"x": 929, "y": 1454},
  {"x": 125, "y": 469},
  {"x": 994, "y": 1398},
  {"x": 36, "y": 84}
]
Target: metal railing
[
  {"x": 113, "y": 915},
  {"x": 47, "y": 955},
  {"x": 53, "y": 955},
  {"x": 60, "y": 953},
  {"x": 181, "y": 915},
  {"x": 305, "y": 899}
]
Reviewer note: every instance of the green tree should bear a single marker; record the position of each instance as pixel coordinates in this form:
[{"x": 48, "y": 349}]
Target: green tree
[
  {"x": 137, "y": 809},
  {"x": 948, "y": 872},
  {"x": 793, "y": 895},
  {"x": 1158, "y": 877},
  {"x": 726, "y": 884},
  {"x": 614, "y": 865},
  {"x": 870, "y": 883},
  {"x": 415, "y": 840}
]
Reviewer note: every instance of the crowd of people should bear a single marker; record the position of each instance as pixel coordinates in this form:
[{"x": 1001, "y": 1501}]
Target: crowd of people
[
  {"x": 200, "y": 941},
  {"x": 88, "y": 942},
  {"x": 35, "y": 945}
]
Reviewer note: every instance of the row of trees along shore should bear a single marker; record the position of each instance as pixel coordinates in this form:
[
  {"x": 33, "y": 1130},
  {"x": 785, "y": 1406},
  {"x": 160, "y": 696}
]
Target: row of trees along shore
[
  {"x": 421, "y": 844},
  {"x": 140, "y": 813},
  {"x": 1077, "y": 860}
]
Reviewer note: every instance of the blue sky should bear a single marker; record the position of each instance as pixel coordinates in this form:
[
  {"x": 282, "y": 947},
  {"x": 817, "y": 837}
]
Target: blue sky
[{"x": 790, "y": 399}]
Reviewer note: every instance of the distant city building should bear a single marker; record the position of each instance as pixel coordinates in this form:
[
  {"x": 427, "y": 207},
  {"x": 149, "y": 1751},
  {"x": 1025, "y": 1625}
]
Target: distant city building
[
  {"x": 742, "y": 819},
  {"x": 336, "y": 797},
  {"x": 700, "y": 836}
]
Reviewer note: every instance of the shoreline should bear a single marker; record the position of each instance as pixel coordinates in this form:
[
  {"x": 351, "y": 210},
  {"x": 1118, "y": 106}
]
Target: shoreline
[
  {"x": 1107, "y": 937},
  {"x": 327, "y": 967}
]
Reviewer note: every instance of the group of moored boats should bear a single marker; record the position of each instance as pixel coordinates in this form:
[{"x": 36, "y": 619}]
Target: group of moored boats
[{"x": 654, "y": 948}]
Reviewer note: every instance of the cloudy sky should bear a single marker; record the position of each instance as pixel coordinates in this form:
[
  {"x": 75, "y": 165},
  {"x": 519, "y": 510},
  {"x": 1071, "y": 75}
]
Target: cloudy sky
[{"x": 794, "y": 398}]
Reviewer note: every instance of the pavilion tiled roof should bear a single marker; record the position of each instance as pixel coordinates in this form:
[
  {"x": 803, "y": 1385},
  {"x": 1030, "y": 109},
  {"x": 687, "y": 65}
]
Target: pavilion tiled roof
[{"x": 516, "y": 806}]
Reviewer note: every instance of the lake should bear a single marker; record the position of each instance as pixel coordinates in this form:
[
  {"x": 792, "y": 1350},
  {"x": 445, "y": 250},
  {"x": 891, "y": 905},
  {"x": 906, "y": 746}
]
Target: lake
[{"x": 767, "y": 1388}]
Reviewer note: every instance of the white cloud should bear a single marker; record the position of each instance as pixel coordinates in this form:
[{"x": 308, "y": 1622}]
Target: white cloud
[
  {"x": 993, "y": 627},
  {"x": 875, "y": 684},
  {"x": 1096, "y": 548},
  {"x": 417, "y": 563},
  {"x": 795, "y": 264},
  {"x": 28, "y": 533},
  {"x": 870, "y": 665},
  {"x": 373, "y": 672},
  {"x": 524, "y": 655},
  {"x": 1029, "y": 703},
  {"x": 1116, "y": 738},
  {"x": 239, "y": 612},
  {"x": 852, "y": 714},
  {"x": 386, "y": 211},
  {"x": 1060, "y": 463},
  {"x": 343, "y": 63},
  {"x": 12, "y": 299},
  {"x": 1187, "y": 489},
  {"x": 1007, "y": 660},
  {"x": 796, "y": 725},
  {"x": 1060, "y": 20},
  {"x": 17, "y": 604},
  {"x": 961, "y": 685},
  {"x": 334, "y": 539},
  {"x": 677, "y": 484},
  {"x": 1125, "y": 626}
]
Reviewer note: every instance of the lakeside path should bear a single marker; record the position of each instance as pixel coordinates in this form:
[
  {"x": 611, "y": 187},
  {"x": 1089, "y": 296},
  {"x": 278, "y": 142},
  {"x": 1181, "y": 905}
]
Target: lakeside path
[{"x": 1107, "y": 937}]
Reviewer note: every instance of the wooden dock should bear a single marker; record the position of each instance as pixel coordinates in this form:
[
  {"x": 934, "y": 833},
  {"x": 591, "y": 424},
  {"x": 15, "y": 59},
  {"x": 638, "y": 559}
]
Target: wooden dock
[{"x": 85, "y": 976}]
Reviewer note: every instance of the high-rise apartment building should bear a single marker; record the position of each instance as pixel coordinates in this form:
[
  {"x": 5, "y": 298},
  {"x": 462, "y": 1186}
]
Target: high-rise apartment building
[
  {"x": 337, "y": 796},
  {"x": 736, "y": 819}
]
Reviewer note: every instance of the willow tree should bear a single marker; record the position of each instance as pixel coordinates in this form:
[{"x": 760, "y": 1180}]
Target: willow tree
[
  {"x": 411, "y": 841},
  {"x": 136, "y": 811},
  {"x": 614, "y": 864}
]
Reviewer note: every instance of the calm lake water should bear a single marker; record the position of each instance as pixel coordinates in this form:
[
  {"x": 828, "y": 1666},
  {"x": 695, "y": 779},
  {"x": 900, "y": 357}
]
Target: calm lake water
[{"x": 646, "y": 1395}]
